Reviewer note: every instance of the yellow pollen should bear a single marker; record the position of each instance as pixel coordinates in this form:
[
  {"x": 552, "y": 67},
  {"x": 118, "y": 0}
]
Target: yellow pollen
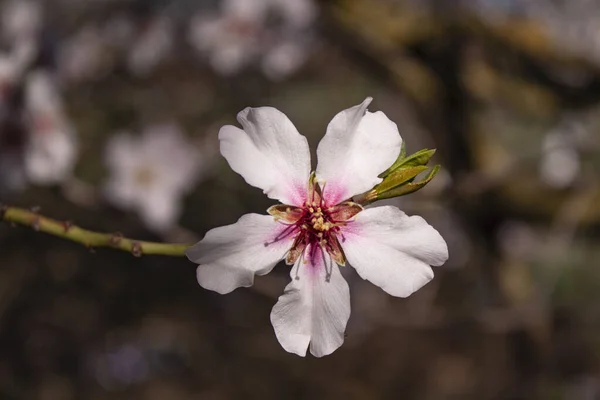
[
  {"x": 312, "y": 210},
  {"x": 320, "y": 224}
]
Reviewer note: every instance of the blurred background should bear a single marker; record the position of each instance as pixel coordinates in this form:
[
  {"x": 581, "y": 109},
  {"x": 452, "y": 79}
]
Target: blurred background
[{"x": 109, "y": 112}]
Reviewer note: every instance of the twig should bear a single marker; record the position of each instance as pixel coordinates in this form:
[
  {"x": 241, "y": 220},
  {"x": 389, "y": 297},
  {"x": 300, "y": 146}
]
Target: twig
[{"x": 90, "y": 239}]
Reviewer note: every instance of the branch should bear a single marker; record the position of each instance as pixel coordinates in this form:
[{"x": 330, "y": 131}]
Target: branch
[{"x": 90, "y": 239}]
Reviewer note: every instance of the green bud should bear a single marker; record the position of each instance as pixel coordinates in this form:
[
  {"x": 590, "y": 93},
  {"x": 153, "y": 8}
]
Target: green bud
[
  {"x": 419, "y": 158},
  {"x": 406, "y": 188},
  {"x": 399, "y": 179}
]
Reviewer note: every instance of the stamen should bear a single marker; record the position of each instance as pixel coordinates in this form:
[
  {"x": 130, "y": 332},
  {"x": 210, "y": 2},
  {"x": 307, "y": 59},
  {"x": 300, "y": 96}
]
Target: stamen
[
  {"x": 289, "y": 230},
  {"x": 327, "y": 272},
  {"x": 323, "y": 193},
  {"x": 302, "y": 261}
]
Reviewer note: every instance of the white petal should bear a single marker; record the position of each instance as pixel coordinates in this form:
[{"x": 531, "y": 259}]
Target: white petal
[
  {"x": 42, "y": 95},
  {"x": 560, "y": 167},
  {"x": 269, "y": 153},
  {"x": 230, "y": 58},
  {"x": 160, "y": 209},
  {"x": 358, "y": 146},
  {"x": 51, "y": 156},
  {"x": 297, "y": 13},
  {"x": 243, "y": 10},
  {"x": 312, "y": 311},
  {"x": 175, "y": 158},
  {"x": 122, "y": 153},
  {"x": 231, "y": 255},
  {"x": 152, "y": 47},
  {"x": 121, "y": 191},
  {"x": 21, "y": 19},
  {"x": 392, "y": 250},
  {"x": 283, "y": 60}
]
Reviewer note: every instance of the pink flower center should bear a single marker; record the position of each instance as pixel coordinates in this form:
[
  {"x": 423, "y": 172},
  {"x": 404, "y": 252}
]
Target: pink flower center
[{"x": 316, "y": 227}]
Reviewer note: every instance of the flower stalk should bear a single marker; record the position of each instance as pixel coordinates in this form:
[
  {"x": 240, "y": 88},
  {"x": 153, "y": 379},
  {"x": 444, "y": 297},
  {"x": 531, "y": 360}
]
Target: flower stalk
[{"x": 90, "y": 239}]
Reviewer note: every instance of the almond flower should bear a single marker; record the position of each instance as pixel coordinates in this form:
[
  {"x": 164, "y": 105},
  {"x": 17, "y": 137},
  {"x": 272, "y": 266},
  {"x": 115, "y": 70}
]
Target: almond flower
[
  {"x": 318, "y": 227},
  {"x": 151, "y": 173},
  {"x": 52, "y": 150}
]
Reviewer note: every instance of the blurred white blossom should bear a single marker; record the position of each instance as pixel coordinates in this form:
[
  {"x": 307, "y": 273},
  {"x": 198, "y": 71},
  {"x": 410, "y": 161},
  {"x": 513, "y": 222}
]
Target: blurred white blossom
[
  {"x": 51, "y": 151},
  {"x": 21, "y": 20},
  {"x": 153, "y": 45},
  {"x": 83, "y": 56},
  {"x": 13, "y": 65},
  {"x": 560, "y": 163},
  {"x": 571, "y": 26},
  {"x": 119, "y": 30},
  {"x": 276, "y": 34},
  {"x": 151, "y": 173}
]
